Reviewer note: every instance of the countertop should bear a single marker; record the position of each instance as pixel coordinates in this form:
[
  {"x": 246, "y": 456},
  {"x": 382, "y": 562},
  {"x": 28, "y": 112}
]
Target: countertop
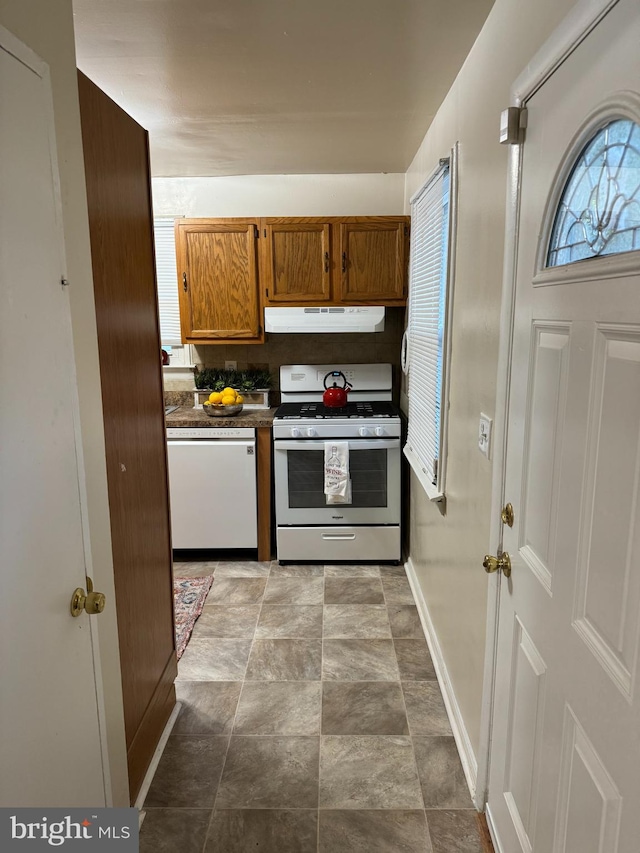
[{"x": 187, "y": 416}]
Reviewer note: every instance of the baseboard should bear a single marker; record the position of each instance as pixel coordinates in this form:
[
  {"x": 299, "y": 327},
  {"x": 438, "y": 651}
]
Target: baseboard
[
  {"x": 460, "y": 734},
  {"x": 153, "y": 723},
  {"x": 153, "y": 766},
  {"x": 495, "y": 838}
]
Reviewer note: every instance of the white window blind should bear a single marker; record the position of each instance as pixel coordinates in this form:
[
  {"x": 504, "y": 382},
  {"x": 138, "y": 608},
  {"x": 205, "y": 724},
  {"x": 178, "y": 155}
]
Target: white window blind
[
  {"x": 427, "y": 331},
  {"x": 167, "y": 276}
]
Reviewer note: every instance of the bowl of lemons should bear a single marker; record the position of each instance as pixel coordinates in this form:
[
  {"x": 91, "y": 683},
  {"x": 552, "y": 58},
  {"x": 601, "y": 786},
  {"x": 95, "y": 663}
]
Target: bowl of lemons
[{"x": 223, "y": 404}]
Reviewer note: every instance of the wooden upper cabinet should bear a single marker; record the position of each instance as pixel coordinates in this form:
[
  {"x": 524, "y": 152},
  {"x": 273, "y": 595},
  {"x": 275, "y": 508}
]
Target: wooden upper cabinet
[
  {"x": 373, "y": 255},
  {"x": 296, "y": 261},
  {"x": 218, "y": 280}
]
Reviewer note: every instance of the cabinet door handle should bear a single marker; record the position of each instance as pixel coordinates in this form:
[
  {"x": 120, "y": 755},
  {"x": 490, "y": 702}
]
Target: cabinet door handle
[
  {"x": 185, "y": 286},
  {"x": 326, "y": 261},
  {"x": 344, "y": 262}
]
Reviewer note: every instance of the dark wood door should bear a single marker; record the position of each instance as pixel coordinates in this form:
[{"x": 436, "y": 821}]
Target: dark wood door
[
  {"x": 120, "y": 220},
  {"x": 218, "y": 280},
  {"x": 296, "y": 261},
  {"x": 373, "y": 260}
]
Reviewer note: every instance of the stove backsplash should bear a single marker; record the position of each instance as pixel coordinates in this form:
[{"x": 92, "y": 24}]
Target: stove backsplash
[{"x": 380, "y": 347}]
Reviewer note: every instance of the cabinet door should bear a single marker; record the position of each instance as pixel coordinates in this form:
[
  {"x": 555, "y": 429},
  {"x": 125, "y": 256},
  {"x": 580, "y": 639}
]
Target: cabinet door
[
  {"x": 373, "y": 260},
  {"x": 297, "y": 261},
  {"x": 218, "y": 280}
]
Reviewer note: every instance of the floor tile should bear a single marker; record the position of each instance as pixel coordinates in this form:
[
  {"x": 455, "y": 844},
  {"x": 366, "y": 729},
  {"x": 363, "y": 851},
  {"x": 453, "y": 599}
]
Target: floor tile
[
  {"x": 359, "y": 660},
  {"x": 214, "y": 660},
  {"x": 393, "y": 572},
  {"x": 425, "y": 708},
  {"x": 373, "y": 831},
  {"x": 285, "y": 660},
  {"x": 363, "y": 571},
  {"x": 313, "y": 570},
  {"x": 356, "y": 621},
  {"x": 193, "y": 570},
  {"x": 218, "y": 620},
  {"x": 188, "y": 773},
  {"x": 263, "y": 830},
  {"x": 353, "y": 591},
  {"x": 270, "y": 773},
  {"x": 237, "y": 591},
  {"x": 168, "y": 830},
  {"x": 208, "y": 707},
  {"x": 282, "y": 621},
  {"x": 454, "y": 831},
  {"x": 405, "y": 622},
  {"x": 442, "y": 778},
  {"x": 368, "y": 772},
  {"x": 414, "y": 660},
  {"x": 396, "y": 590},
  {"x": 279, "y": 708},
  {"x": 294, "y": 591},
  {"x": 363, "y": 708},
  {"x": 246, "y": 569}
]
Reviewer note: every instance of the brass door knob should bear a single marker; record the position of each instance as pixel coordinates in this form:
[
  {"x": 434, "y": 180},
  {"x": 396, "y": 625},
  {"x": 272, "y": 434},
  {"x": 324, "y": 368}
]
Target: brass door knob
[
  {"x": 92, "y": 602},
  {"x": 496, "y": 564}
]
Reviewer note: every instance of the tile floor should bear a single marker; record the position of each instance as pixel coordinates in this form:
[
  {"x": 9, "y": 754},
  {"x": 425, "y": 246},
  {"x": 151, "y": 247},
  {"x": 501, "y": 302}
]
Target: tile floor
[{"x": 311, "y": 722}]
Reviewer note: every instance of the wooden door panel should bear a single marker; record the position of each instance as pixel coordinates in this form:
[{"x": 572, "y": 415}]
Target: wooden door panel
[
  {"x": 298, "y": 261},
  {"x": 373, "y": 260},
  {"x": 221, "y": 301},
  {"x": 120, "y": 221},
  {"x": 222, "y": 256}
]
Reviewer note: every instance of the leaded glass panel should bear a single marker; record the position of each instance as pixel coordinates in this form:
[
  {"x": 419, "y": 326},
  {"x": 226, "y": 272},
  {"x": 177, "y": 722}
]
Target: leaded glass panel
[{"x": 599, "y": 211}]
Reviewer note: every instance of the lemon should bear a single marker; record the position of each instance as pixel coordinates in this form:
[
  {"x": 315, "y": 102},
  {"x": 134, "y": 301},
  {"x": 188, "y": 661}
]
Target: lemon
[
  {"x": 239, "y": 399},
  {"x": 227, "y": 400},
  {"x": 215, "y": 397},
  {"x": 229, "y": 392}
]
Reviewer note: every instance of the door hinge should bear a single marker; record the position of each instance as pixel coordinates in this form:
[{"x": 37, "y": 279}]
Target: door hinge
[
  {"x": 513, "y": 122},
  {"x": 259, "y": 330},
  {"x": 406, "y": 230},
  {"x": 256, "y": 231},
  {"x": 267, "y": 293},
  {"x": 265, "y": 232}
]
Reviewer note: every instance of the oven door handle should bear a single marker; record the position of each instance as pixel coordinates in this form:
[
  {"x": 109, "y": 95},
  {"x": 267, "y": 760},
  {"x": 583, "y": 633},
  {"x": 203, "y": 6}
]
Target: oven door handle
[{"x": 354, "y": 445}]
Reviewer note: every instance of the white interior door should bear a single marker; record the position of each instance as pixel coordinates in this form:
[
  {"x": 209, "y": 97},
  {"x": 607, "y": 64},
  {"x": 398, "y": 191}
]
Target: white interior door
[
  {"x": 565, "y": 757},
  {"x": 50, "y": 748}
]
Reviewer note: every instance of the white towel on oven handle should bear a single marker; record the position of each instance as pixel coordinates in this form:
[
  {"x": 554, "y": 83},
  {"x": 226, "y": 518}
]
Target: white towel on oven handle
[{"x": 337, "y": 482}]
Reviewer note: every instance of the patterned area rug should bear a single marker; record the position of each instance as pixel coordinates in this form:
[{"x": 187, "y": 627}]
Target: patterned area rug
[{"x": 189, "y": 597}]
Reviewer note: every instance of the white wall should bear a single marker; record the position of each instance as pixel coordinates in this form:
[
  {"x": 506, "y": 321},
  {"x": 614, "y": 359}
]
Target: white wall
[
  {"x": 447, "y": 551},
  {"x": 280, "y": 195},
  {"x": 47, "y": 28}
]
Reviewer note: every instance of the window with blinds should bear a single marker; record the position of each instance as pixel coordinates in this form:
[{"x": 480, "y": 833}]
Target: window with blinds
[
  {"x": 167, "y": 277},
  {"x": 426, "y": 359}
]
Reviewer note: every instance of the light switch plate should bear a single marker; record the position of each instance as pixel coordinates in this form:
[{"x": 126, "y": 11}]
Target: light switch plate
[
  {"x": 485, "y": 428},
  {"x": 231, "y": 365}
]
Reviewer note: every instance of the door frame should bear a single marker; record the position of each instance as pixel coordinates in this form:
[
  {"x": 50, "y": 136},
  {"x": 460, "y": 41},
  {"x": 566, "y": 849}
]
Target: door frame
[
  {"x": 25, "y": 55},
  {"x": 571, "y": 32}
]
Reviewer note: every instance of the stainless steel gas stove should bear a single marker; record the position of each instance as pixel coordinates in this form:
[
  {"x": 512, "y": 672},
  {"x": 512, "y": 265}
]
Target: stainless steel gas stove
[{"x": 309, "y": 527}]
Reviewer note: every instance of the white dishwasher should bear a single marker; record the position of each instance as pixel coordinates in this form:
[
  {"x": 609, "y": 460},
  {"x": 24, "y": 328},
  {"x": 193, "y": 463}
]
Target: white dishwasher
[{"x": 212, "y": 487}]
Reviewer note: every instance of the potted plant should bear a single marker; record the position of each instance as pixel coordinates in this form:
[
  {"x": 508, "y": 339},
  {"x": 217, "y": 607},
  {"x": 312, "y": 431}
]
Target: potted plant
[{"x": 253, "y": 384}]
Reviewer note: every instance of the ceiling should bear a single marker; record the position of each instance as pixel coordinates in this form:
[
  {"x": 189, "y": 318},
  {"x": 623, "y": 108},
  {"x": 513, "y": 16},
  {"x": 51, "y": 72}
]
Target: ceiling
[{"x": 237, "y": 87}]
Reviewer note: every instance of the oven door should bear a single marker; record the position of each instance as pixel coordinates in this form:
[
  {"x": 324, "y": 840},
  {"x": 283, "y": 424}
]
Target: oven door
[{"x": 374, "y": 467}]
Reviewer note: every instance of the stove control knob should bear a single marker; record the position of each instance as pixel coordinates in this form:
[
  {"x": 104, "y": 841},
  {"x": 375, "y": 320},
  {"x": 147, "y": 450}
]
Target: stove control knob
[
  {"x": 295, "y": 432},
  {"x": 363, "y": 431},
  {"x": 379, "y": 430},
  {"x": 311, "y": 432}
]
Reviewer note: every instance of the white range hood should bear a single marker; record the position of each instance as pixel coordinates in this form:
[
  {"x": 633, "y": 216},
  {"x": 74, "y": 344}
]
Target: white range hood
[{"x": 334, "y": 318}]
